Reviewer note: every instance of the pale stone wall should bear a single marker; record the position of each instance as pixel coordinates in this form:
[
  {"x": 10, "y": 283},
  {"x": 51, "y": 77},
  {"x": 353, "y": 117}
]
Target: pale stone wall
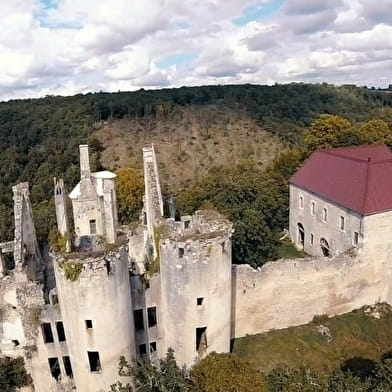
[
  {"x": 339, "y": 240},
  {"x": 290, "y": 292},
  {"x": 202, "y": 271},
  {"x": 101, "y": 294}
]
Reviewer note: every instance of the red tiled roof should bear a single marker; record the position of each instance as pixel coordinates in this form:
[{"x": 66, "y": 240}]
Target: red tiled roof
[{"x": 358, "y": 178}]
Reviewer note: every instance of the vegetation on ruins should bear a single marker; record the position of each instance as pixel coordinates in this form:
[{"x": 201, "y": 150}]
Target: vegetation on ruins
[
  {"x": 13, "y": 374},
  {"x": 72, "y": 270}
]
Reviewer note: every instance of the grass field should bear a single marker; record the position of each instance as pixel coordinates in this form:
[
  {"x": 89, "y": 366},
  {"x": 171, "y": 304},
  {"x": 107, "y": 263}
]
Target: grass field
[
  {"x": 287, "y": 250},
  {"x": 356, "y": 335}
]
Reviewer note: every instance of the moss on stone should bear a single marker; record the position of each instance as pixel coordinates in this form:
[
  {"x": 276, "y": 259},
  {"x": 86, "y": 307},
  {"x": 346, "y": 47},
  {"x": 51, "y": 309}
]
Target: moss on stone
[{"x": 71, "y": 270}]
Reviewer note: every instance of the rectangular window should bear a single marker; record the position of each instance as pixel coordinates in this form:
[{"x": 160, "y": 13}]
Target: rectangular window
[
  {"x": 356, "y": 238},
  {"x": 153, "y": 347},
  {"x": 199, "y": 301},
  {"x": 67, "y": 366},
  {"x": 89, "y": 324},
  {"x": 312, "y": 207},
  {"x": 311, "y": 239},
  {"x": 325, "y": 214},
  {"x": 180, "y": 253},
  {"x": 60, "y": 331},
  {"x": 187, "y": 224},
  {"x": 152, "y": 316},
  {"x": 54, "y": 368},
  {"x": 138, "y": 318},
  {"x": 201, "y": 338},
  {"x": 94, "y": 362},
  {"x": 93, "y": 226},
  {"x": 142, "y": 349},
  {"x": 301, "y": 202},
  {"x": 341, "y": 223},
  {"x": 47, "y": 333}
]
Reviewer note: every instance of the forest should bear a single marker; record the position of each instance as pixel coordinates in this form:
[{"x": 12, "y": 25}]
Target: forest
[{"x": 39, "y": 140}]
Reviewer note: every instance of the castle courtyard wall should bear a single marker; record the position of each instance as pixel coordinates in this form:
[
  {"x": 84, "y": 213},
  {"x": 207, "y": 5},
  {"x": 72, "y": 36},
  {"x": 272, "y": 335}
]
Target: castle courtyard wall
[{"x": 291, "y": 292}]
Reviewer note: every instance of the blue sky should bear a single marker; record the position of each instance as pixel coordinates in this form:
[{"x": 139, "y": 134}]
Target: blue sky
[{"x": 67, "y": 46}]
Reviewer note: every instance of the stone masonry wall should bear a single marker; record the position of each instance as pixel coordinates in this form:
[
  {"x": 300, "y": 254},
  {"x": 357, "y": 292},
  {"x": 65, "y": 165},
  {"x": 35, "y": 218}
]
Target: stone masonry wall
[{"x": 290, "y": 292}]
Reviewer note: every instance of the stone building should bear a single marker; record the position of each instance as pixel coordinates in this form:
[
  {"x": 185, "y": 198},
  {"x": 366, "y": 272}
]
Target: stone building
[
  {"x": 111, "y": 291},
  {"x": 339, "y": 198}
]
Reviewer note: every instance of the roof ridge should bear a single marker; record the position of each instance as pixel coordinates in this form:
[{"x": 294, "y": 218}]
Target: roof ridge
[{"x": 331, "y": 152}]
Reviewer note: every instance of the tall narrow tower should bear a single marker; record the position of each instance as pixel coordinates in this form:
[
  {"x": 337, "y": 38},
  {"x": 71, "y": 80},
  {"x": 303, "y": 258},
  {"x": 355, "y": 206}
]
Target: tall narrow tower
[{"x": 60, "y": 201}]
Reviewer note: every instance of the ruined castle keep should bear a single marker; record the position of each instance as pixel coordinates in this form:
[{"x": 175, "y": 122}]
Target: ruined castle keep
[{"x": 106, "y": 291}]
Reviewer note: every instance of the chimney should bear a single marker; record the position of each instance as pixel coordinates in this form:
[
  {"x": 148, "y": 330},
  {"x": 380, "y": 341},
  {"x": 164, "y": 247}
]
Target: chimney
[{"x": 84, "y": 162}]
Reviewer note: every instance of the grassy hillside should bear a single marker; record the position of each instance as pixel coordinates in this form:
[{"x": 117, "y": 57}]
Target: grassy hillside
[{"x": 357, "y": 337}]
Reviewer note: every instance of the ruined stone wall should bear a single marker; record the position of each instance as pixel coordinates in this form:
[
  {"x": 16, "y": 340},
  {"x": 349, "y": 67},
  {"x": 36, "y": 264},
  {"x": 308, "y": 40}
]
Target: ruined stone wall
[
  {"x": 290, "y": 292},
  {"x": 101, "y": 294}
]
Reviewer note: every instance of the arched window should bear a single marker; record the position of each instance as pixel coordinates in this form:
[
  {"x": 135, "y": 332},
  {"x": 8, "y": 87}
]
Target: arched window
[
  {"x": 301, "y": 235},
  {"x": 325, "y": 247}
]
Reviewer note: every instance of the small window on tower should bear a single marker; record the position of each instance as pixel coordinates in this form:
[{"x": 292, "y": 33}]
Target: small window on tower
[
  {"x": 153, "y": 347},
  {"x": 152, "y": 316},
  {"x": 311, "y": 239},
  {"x": 138, "y": 319},
  {"x": 199, "y": 301},
  {"x": 142, "y": 349},
  {"x": 93, "y": 226},
  {"x": 89, "y": 324},
  {"x": 67, "y": 366},
  {"x": 93, "y": 359},
  {"x": 60, "y": 331},
  {"x": 54, "y": 368},
  {"x": 47, "y": 333},
  {"x": 181, "y": 252}
]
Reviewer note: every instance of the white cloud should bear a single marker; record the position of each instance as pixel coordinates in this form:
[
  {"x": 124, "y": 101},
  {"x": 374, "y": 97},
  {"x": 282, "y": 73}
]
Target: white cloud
[{"x": 101, "y": 44}]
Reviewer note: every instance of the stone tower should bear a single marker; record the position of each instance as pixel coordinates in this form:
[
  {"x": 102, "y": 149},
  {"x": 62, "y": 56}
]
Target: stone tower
[
  {"x": 94, "y": 202},
  {"x": 60, "y": 201}
]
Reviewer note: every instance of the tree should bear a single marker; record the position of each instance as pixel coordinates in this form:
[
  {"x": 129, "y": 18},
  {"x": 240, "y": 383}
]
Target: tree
[
  {"x": 164, "y": 376},
  {"x": 13, "y": 374},
  {"x": 376, "y": 132},
  {"x": 130, "y": 190},
  {"x": 226, "y": 373},
  {"x": 328, "y": 131}
]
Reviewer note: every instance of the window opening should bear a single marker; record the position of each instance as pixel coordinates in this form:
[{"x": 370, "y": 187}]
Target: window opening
[
  {"x": 201, "y": 339},
  {"x": 9, "y": 261},
  {"x": 67, "y": 366},
  {"x": 55, "y": 299},
  {"x": 54, "y": 367},
  {"x": 356, "y": 238},
  {"x": 153, "y": 347},
  {"x": 138, "y": 318},
  {"x": 93, "y": 226},
  {"x": 187, "y": 224},
  {"x": 152, "y": 316},
  {"x": 341, "y": 224},
  {"x": 325, "y": 247},
  {"x": 89, "y": 324},
  {"x": 325, "y": 214},
  {"x": 312, "y": 208},
  {"x": 93, "y": 359},
  {"x": 60, "y": 331},
  {"x": 142, "y": 349},
  {"x": 311, "y": 239},
  {"x": 181, "y": 252},
  {"x": 144, "y": 218},
  {"x": 199, "y": 301},
  {"x": 301, "y": 235},
  {"x": 47, "y": 333},
  {"x": 16, "y": 342},
  {"x": 301, "y": 202}
]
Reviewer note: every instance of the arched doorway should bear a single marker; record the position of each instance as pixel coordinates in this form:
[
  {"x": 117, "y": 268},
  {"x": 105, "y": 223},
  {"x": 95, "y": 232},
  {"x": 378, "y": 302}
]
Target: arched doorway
[
  {"x": 325, "y": 247},
  {"x": 301, "y": 235}
]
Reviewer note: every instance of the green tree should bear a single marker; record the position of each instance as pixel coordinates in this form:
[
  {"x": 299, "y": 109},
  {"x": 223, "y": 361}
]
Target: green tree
[
  {"x": 147, "y": 376},
  {"x": 376, "y": 132},
  {"x": 328, "y": 131},
  {"x": 130, "y": 190},
  {"x": 13, "y": 374},
  {"x": 226, "y": 373}
]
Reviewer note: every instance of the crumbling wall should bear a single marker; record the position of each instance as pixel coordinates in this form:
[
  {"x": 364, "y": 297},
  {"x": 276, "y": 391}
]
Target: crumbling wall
[{"x": 285, "y": 293}]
